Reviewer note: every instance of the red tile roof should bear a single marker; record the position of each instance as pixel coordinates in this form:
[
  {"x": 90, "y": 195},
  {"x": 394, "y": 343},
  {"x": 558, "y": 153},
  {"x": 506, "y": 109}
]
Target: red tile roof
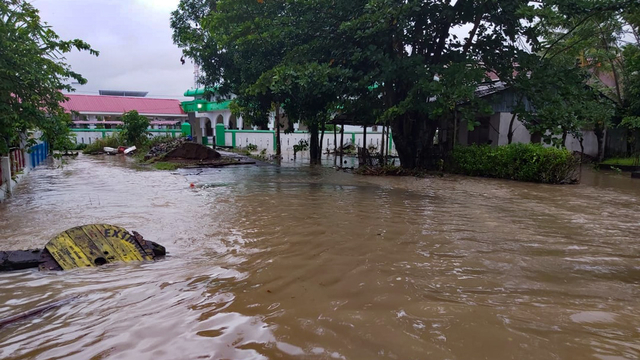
[{"x": 122, "y": 104}]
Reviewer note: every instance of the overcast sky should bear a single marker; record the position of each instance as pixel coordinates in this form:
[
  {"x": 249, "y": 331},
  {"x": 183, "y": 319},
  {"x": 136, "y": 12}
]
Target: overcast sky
[{"x": 134, "y": 40}]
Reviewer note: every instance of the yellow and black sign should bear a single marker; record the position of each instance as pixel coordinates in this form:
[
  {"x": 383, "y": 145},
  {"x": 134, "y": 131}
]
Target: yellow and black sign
[{"x": 95, "y": 245}]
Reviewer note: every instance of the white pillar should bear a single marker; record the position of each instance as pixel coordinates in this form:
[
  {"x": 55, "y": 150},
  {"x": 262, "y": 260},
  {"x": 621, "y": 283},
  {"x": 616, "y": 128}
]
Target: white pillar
[
  {"x": 272, "y": 121},
  {"x": 203, "y": 132},
  {"x": 5, "y": 162},
  {"x": 225, "y": 120}
]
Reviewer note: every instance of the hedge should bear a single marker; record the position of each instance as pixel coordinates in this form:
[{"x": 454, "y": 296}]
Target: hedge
[{"x": 523, "y": 162}]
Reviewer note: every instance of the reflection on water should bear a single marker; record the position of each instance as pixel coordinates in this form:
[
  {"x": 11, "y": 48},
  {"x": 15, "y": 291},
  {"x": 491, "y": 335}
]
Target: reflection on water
[{"x": 270, "y": 262}]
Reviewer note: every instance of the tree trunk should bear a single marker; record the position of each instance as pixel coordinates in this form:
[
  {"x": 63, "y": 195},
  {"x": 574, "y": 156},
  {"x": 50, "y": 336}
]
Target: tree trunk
[
  {"x": 510, "y": 133},
  {"x": 414, "y": 142},
  {"x": 364, "y": 136},
  {"x": 581, "y": 156},
  {"x": 598, "y": 130},
  {"x": 335, "y": 139},
  {"x": 341, "y": 143},
  {"x": 313, "y": 143},
  {"x": 321, "y": 141},
  {"x": 388, "y": 145},
  {"x": 382, "y": 144},
  {"x": 277, "y": 123},
  {"x": 564, "y": 139},
  {"x": 335, "y": 144}
]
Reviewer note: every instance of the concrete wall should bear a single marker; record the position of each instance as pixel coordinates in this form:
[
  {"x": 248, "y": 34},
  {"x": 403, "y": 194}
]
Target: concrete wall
[
  {"x": 32, "y": 158},
  {"x": 84, "y": 136},
  {"x": 265, "y": 140},
  {"x": 499, "y": 130},
  {"x": 520, "y": 133},
  {"x": 590, "y": 143}
]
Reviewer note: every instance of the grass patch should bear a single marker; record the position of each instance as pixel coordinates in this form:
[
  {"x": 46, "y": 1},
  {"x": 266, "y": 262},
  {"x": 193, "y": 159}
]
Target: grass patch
[
  {"x": 162, "y": 165},
  {"x": 629, "y": 161},
  {"x": 522, "y": 162},
  {"x": 390, "y": 170},
  {"x": 97, "y": 146}
]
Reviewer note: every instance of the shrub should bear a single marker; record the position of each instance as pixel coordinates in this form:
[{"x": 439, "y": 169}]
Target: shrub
[
  {"x": 523, "y": 162},
  {"x": 134, "y": 128},
  {"x": 96, "y": 147}
]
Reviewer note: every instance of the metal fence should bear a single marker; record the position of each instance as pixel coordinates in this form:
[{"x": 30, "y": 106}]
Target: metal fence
[{"x": 621, "y": 143}]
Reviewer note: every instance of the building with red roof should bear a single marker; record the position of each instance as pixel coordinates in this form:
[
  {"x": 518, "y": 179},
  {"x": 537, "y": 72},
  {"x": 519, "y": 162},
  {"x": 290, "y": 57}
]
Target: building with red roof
[
  {"x": 91, "y": 110},
  {"x": 98, "y": 116}
]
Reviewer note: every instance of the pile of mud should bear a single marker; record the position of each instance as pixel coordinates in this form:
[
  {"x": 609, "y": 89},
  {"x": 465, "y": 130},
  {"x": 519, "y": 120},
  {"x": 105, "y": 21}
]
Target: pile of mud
[
  {"x": 192, "y": 151},
  {"x": 181, "y": 149}
]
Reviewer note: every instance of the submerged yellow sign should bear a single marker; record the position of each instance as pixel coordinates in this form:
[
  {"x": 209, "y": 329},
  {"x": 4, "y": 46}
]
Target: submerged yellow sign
[{"x": 95, "y": 245}]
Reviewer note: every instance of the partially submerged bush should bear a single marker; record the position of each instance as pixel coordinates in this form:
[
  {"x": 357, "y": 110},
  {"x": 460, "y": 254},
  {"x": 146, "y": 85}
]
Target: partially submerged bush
[
  {"x": 165, "y": 166},
  {"x": 389, "y": 170},
  {"x": 97, "y": 146},
  {"x": 523, "y": 162}
]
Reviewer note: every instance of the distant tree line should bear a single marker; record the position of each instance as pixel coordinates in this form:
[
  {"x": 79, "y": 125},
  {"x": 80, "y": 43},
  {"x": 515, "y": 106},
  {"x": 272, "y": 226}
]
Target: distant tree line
[
  {"x": 33, "y": 75},
  {"x": 405, "y": 64}
]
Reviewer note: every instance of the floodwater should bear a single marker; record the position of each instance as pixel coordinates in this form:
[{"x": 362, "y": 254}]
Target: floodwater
[{"x": 310, "y": 263}]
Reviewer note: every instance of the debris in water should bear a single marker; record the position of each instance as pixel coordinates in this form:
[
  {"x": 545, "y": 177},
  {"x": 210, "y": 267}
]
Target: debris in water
[
  {"x": 128, "y": 151},
  {"x": 84, "y": 246},
  {"x": 110, "y": 150},
  {"x": 35, "y": 311}
]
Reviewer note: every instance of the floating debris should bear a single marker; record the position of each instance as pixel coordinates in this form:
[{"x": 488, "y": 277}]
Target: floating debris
[{"x": 84, "y": 246}]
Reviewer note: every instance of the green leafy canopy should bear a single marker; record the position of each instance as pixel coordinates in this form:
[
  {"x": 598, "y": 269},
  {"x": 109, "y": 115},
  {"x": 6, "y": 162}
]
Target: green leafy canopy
[{"x": 33, "y": 75}]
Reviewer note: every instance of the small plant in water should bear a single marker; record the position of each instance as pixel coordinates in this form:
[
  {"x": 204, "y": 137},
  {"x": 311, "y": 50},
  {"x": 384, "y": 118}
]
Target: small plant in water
[
  {"x": 252, "y": 147},
  {"x": 302, "y": 145}
]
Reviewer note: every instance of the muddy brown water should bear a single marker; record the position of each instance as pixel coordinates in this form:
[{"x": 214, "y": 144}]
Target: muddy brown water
[{"x": 308, "y": 263}]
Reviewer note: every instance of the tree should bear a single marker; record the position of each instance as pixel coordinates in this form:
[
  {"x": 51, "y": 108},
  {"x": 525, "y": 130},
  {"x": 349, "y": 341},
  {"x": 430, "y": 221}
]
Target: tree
[
  {"x": 32, "y": 74},
  {"x": 600, "y": 42},
  {"x": 394, "y": 62},
  {"x": 559, "y": 100},
  {"x": 59, "y": 134},
  {"x": 233, "y": 50},
  {"x": 134, "y": 128}
]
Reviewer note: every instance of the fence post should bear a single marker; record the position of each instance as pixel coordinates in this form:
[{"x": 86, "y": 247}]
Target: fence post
[
  {"x": 14, "y": 164},
  {"x": 23, "y": 163},
  {"x": 37, "y": 152},
  {"x": 32, "y": 158},
  {"x": 5, "y": 163}
]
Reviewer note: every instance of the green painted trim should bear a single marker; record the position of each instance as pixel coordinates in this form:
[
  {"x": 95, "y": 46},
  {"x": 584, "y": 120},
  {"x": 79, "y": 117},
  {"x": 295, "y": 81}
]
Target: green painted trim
[
  {"x": 95, "y": 130},
  {"x": 360, "y": 132},
  {"x": 165, "y": 130},
  {"x": 200, "y": 91},
  {"x": 250, "y": 131},
  {"x": 104, "y": 134},
  {"x": 174, "y": 131},
  {"x": 201, "y": 105},
  {"x": 390, "y": 141},
  {"x": 353, "y": 138},
  {"x": 220, "y": 138},
  {"x": 233, "y": 139},
  {"x": 205, "y": 140}
]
